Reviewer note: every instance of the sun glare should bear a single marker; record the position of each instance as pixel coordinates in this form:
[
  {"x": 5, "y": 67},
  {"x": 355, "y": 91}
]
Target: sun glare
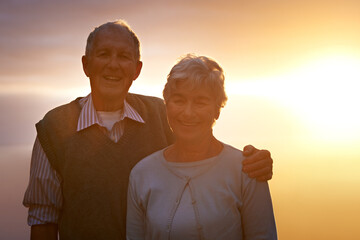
[
  {"x": 326, "y": 95},
  {"x": 323, "y": 94}
]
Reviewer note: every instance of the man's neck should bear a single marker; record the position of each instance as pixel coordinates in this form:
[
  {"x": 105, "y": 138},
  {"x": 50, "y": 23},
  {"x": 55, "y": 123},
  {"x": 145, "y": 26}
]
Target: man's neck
[{"x": 108, "y": 105}]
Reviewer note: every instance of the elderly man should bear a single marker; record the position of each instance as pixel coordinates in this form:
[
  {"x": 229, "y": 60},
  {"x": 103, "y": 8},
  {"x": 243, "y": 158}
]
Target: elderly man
[{"x": 85, "y": 149}]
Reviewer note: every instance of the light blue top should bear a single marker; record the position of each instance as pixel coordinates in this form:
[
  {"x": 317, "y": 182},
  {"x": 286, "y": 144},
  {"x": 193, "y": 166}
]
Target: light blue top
[{"x": 207, "y": 199}]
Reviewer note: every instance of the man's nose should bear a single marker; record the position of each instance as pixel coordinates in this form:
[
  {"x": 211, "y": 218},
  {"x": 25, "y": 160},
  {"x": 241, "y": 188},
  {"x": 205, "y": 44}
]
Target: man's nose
[{"x": 113, "y": 62}]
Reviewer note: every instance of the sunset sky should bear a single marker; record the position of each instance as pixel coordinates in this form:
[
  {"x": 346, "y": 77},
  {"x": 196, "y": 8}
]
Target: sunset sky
[{"x": 292, "y": 70}]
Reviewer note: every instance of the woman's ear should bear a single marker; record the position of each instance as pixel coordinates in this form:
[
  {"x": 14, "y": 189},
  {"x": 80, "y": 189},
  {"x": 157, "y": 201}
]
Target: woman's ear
[{"x": 217, "y": 115}]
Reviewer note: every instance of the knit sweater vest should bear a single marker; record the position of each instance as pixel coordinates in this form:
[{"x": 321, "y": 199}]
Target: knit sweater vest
[{"x": 95, "y": 170}]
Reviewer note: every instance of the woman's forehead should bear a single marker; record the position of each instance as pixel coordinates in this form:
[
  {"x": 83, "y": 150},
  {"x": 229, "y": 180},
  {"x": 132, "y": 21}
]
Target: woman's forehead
[
  {"x": 193, "y": 92},
  {"x": 191, "y": 85}
]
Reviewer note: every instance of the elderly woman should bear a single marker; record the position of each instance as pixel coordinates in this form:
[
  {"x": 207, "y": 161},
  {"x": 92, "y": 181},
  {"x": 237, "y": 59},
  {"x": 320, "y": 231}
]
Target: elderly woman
[{"x": 195, "y": 188}]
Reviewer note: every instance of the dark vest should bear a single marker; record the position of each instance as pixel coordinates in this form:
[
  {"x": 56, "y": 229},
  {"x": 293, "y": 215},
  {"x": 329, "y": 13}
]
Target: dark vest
[{"x": 95, "y": 170}]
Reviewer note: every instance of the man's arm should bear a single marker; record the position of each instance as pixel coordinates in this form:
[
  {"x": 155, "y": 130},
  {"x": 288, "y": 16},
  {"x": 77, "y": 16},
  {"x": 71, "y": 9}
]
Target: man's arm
[
  {"x": 43, "y": 195},
  {"x": 258, "y": 163},
  {"x": 47, "y": 231}
]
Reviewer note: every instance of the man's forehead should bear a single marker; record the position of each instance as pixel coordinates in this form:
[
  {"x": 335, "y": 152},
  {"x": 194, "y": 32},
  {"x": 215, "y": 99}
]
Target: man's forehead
[
  {"x": 113, "y": 35},
  {"x": 115, "y": 31},
  {"x": 113, "y": 27}
]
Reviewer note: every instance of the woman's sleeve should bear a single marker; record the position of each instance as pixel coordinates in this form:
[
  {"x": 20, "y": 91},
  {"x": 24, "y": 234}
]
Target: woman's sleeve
[
  {"x": 257, "y": 211},
  {"x": 135, "y": 218}
]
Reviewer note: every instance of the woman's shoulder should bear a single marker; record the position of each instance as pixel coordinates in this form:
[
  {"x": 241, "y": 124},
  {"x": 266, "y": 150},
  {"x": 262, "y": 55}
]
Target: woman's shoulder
[
  {"x": 232, "y": 153},
  {"x": 230, "y": 159},
  {"x": 148, "y": 163}
]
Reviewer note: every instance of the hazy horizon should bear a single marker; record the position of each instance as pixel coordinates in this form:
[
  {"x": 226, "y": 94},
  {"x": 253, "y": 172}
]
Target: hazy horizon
[{"x": 292, "y": 72}]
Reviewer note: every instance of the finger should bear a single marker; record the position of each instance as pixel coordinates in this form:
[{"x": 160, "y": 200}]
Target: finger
[
  {"x": 253, "y": 166},
  {"x": 265, "y": 178},
  {"x": 265, "y": 163},
  {"x": 248, "y": 150},
  {"x": 258, "y": 156},
  {"x": 264, "y": 172}
]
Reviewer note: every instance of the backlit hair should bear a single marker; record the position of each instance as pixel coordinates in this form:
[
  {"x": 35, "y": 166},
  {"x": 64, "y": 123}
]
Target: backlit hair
[
  {"x": 116, "y": 25},
  {"x": 197, "y": 72}
]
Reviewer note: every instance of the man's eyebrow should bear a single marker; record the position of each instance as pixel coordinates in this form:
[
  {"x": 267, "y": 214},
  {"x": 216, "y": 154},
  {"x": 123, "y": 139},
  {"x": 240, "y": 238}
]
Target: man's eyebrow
[
  {"x": 102, "y": 49},
  {"x": 176, "y": 95}
]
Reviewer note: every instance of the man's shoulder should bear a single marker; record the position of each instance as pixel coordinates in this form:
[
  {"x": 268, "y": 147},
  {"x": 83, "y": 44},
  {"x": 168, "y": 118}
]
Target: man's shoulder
[
  {"x": 63, "y": 116},
  {"x": 63, "y": 110},
  {"x": 57, "y": 125},
  {"x": 135, "y": 98},
  {"x": 148, "y": 164},
  {"x": 146, "y": 106}
]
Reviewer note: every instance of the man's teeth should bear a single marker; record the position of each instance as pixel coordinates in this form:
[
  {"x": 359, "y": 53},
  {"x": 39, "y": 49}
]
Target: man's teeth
[
  {"x": 112, "y": 78},
  {"x": 188, "y": 124}
]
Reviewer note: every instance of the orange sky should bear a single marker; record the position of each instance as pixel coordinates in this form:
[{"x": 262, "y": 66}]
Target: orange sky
[
  {"x": 292, "y": 74},
  {"x": 42, "y": 40}
]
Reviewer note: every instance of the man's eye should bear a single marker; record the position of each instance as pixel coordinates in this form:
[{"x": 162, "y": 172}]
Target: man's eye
[
  {"x": 103, "y": 54},
  {"x": 178, "y": 101},
  {"x": 124, "y": 56}
]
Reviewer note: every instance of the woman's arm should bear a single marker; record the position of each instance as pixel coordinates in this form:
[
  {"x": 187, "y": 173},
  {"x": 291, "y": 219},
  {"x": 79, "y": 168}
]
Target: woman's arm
[
  {"x": 135, "y": 217},
  {"x": 257, "y": 214}
]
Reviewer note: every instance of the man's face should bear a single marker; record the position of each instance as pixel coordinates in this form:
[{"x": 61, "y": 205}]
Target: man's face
[{"x": 111, "y": 67}]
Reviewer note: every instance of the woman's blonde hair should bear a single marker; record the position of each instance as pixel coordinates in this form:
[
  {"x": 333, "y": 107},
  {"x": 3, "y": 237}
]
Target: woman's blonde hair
[{"x": 197, "y": 72}]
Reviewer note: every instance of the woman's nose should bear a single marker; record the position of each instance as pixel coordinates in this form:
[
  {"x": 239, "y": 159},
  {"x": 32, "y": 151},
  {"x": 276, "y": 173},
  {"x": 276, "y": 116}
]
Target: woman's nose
[{"x": 188, "y": 110}]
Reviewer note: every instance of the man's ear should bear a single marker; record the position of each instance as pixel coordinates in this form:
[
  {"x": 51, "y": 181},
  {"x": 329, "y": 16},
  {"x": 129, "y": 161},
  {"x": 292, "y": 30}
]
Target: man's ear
[
  {"x": 138, "y": 70},
  {"x": 84, "y": 61}
]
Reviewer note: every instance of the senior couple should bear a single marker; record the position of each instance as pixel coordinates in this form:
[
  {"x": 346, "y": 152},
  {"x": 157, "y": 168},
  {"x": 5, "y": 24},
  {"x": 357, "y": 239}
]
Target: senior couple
[{"x": 184, "y": 183}]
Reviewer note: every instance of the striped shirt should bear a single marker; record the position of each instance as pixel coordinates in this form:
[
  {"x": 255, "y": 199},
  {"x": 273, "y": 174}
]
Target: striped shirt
[{"x": 43, "y": 195}]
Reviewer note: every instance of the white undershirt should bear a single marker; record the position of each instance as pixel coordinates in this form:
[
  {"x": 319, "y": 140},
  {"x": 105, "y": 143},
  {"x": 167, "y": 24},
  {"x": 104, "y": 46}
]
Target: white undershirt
[{"x": 108, "y": 119}]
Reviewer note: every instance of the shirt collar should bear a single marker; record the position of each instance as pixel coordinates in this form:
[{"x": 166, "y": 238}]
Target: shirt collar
[{"x": 88, "y": 115}]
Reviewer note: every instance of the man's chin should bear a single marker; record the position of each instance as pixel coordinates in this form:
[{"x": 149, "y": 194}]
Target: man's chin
[{"x": 108, "y": 99}]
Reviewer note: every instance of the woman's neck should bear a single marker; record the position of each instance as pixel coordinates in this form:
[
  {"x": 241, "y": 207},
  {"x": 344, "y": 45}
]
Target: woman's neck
[{"x": 185, "y": 151}]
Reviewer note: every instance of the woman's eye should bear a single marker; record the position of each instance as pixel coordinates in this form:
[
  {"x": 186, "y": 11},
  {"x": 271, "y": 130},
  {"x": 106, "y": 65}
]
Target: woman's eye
[{"x": 201, "y": 104}]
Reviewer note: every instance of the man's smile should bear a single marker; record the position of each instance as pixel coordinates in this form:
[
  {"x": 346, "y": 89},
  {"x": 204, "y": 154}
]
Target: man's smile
[{"x": 112, "y": 78}]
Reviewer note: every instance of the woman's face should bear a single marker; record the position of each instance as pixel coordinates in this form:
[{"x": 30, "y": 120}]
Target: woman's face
[{"x": 191, "y": 113}]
